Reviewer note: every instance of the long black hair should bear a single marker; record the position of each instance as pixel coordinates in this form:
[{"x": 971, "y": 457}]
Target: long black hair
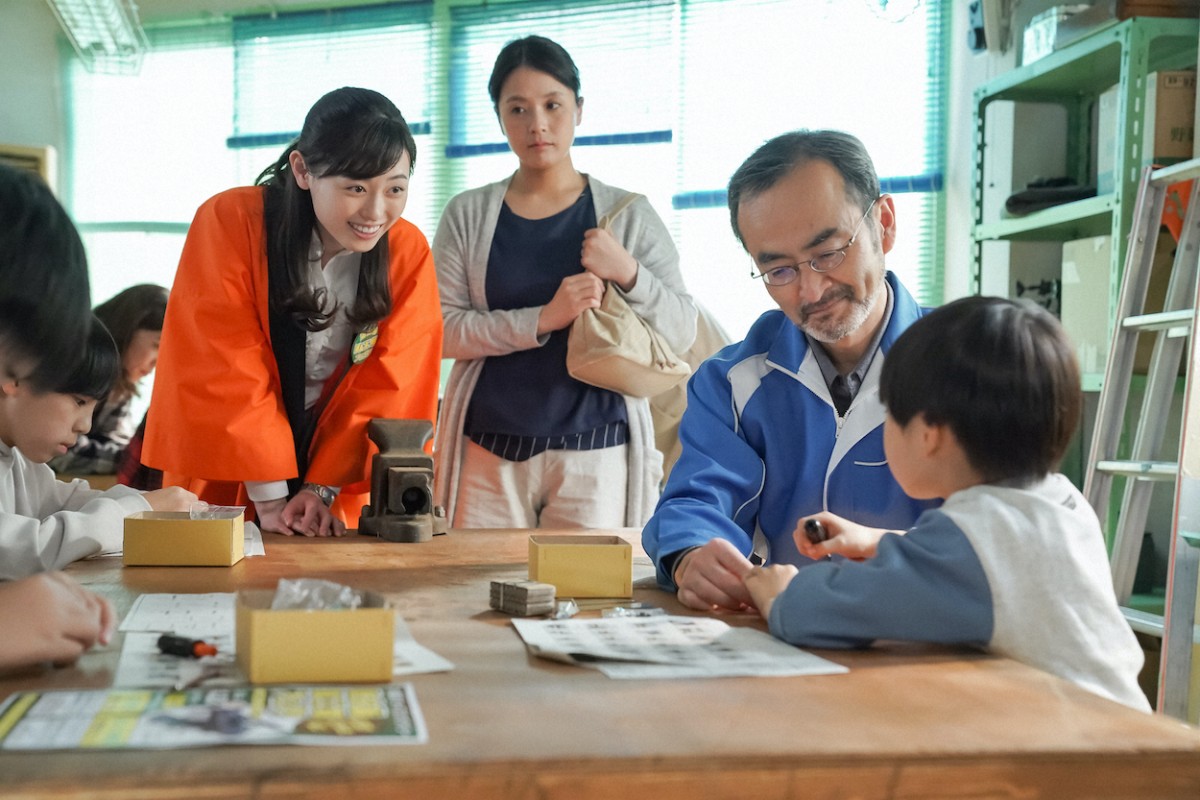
[
  {"x": 351, "y": 132},
  {"x": 138, "y": 308}
]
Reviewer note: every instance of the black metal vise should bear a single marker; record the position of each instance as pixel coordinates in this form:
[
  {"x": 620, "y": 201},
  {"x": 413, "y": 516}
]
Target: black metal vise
[{"x": 401, "y": 508}]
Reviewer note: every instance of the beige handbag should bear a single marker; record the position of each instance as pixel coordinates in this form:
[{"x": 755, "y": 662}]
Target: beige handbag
[{"x": 613, "y": 348}]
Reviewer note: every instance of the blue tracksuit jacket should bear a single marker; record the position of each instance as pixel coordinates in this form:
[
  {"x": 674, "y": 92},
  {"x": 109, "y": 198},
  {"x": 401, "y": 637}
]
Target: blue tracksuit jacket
[{"x": 763, "y": 447}]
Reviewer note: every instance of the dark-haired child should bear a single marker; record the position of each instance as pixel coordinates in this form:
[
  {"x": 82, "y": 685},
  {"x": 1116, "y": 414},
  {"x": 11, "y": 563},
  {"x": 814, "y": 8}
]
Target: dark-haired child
[
  {"x": 45, "y": 523},
  {"x": 134, "y": 317},
  {"x": 982, "y": 397}
]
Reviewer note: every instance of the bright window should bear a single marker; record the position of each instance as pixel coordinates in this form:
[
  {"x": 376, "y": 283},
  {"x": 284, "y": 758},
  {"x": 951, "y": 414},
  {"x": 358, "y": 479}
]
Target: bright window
[{"x": 677, "y": 93}]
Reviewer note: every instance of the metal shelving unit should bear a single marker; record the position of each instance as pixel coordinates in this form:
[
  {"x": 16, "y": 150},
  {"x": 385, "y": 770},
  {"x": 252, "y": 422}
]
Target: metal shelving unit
[{"x": 1123, "y": 53}]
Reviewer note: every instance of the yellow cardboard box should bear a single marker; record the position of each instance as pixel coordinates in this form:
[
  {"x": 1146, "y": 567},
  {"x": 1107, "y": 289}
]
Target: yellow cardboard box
[
  {"x": 582, "y": 565},
  {"x": 298, "y": 646},
  {"x": 174, "y": 539}
]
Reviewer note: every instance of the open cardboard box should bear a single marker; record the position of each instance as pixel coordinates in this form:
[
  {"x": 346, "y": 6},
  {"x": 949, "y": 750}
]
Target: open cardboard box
[
  {"x": 582, "y": 565},
  {"x": 174, "y": 539},
  {"x": 301, "y": 646}
]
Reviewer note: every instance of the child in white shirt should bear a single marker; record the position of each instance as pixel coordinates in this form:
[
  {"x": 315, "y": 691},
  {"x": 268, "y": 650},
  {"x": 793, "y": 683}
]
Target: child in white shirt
[
  {"x": 982, "y": 397},
  {"x": 45, "y": 523}
]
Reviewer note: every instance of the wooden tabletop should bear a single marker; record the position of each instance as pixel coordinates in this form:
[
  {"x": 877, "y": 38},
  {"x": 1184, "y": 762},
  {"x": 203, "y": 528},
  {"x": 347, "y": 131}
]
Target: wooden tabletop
[{"x": 905, "y": 722}]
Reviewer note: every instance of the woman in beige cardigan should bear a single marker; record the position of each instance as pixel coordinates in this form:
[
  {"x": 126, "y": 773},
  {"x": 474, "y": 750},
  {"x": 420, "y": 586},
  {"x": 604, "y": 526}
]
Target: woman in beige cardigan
[{"x": 520, "y": 443}]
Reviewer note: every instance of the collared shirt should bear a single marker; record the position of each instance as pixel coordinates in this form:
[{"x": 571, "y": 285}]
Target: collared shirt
[
  {"x": 325, "y": 349},
  {"x": 852, "y": 380}
]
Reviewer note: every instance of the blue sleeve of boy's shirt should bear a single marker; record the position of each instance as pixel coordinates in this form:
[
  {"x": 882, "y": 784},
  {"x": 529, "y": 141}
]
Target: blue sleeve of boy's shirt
[{"x": 925, "y": 586}]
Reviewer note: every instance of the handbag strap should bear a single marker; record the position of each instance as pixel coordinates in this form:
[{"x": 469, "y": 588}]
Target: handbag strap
[{"x": 610, "y": 216}]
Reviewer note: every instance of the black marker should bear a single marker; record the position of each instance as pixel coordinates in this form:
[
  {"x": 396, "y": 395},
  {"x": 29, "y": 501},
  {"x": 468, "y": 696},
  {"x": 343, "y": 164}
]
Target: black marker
[
  {"x": 815, "y": 531},
  {"x": 183, "y": 646}
]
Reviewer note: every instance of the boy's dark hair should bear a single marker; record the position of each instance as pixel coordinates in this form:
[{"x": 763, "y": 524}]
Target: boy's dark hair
[
  {"x": 138, "y": 308},
  {"x": 1000, "y": 373},
  {"x": 97, "y": 370},
  {"x": 775, "y": 160},
  {"x": 44, "y": 296}
]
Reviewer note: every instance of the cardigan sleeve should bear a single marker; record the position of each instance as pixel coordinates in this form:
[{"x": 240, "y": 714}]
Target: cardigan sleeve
[
  {"x": 460, "y": 251},
  {"x": 659, "y": 296}
]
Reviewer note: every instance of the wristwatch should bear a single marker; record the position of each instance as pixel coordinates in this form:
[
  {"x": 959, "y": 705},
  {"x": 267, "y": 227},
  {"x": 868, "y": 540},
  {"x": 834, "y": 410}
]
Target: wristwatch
[{"x": 326, "y": 493}]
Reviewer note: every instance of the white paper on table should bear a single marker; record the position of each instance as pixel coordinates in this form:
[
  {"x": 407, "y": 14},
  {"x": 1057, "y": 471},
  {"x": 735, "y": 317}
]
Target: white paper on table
[
  {"x": 253, "y": 546},
  {"x": 668, "y": 647},
  {"x": 212, "y": 617}
]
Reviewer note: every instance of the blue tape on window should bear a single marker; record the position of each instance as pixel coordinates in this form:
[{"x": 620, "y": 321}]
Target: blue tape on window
[
  {"x": 279, "y": 139},
  {"x": 642, "y": 137},
  {"x": 718, "y": 198}
]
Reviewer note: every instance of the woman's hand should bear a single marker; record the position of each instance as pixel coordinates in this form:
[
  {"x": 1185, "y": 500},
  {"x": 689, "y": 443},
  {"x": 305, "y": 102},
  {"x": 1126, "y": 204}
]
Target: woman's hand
[
  {"x": 575, "y": 294},
  {"x": 604, "y": 257},
  {"x": 308, "y": 515},
  {"x": 270, "y": 516}
]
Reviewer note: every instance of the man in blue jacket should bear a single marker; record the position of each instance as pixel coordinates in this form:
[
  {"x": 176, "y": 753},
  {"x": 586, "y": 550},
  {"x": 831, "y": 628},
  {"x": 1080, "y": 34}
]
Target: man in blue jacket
[{"x": 788, "y": 422}]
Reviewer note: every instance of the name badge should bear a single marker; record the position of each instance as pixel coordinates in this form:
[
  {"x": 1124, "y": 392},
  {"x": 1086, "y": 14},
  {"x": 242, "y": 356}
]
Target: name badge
[{"x": 363, "y": 344}]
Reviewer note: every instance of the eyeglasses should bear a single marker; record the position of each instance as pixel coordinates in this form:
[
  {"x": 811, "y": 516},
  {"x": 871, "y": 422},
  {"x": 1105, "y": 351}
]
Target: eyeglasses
[{"x": 823, "y": 262}]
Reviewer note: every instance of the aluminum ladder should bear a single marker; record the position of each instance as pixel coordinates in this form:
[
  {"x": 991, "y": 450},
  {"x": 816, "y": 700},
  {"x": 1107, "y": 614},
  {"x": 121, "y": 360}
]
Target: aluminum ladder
[{"x": 1172, "y": 329}]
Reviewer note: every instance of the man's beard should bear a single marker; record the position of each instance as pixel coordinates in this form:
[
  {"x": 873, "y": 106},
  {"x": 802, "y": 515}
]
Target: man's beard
[{"x": 831, "y": 330}]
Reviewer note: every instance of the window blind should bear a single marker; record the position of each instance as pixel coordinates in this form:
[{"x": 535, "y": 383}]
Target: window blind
[
  {"x": 676, "y": 94},
  {"x": 682, "y": 91},
  {"x": 284, "y": 62},
  {"x": 789, "y": 64}
]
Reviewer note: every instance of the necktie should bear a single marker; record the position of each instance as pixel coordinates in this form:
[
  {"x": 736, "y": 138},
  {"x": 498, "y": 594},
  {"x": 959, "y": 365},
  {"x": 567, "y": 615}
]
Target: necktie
[{"x": 841, "y": 395}]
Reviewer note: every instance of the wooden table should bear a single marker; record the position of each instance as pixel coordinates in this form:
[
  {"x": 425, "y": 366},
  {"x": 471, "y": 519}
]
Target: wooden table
[{"x": 905, "y": 722}]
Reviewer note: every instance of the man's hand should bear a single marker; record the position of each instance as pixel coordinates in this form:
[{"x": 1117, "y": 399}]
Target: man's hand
[{"x": 711, "y": 578}]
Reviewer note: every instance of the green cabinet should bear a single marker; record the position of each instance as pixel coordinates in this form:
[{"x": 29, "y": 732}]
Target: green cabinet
[{"x": 1123, "y": 53}]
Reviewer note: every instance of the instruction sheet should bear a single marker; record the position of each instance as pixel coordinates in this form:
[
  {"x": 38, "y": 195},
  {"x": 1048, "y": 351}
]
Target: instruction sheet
[{"x": 668, "y": 647}]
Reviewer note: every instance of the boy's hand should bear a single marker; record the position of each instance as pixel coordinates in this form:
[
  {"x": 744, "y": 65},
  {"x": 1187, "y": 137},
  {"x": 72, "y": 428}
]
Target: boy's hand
[
  {"x": 49, "y": 617},
  {"x": 170, "y": 498},
  {"x": 846, "y": 538},
  {"x": 766, "y": 583}
]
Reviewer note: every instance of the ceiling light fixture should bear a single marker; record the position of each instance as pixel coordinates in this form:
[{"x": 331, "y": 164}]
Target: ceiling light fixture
[{"x": 105, "y": 33}]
